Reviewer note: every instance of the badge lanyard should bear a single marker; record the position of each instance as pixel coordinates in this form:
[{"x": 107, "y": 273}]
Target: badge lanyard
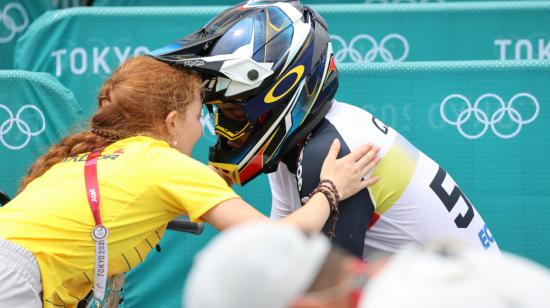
[{"x": 100, "y": 232}]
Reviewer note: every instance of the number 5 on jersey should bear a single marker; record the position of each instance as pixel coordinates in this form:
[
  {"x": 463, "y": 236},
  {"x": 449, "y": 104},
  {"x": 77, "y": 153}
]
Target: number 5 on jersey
[{"x": 450, "y": 200}]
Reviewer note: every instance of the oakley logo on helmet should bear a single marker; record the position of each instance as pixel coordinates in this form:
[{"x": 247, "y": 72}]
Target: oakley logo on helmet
[
  {"x": 509, "y": 117},
  {"x": 21, "y": 127},
  {"x": 296, "y": 73},
  {"x": 365, "y": 48},
  {"x": 9, "y": 16},
  {"x": 523, "y": 49}
]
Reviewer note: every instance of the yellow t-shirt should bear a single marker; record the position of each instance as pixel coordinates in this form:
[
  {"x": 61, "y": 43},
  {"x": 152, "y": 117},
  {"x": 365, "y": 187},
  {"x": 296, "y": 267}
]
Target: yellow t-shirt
[{"x": 143, "y": 184}]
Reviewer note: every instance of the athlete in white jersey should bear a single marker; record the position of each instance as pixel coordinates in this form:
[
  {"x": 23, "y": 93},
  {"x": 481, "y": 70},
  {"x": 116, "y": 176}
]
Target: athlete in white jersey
[
  {"x": 270, "y": 78},
  {"x": 415, "y": 200}
]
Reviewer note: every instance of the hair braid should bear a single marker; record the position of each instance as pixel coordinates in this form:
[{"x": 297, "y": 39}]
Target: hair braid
[{"x": 70, "y": 146}]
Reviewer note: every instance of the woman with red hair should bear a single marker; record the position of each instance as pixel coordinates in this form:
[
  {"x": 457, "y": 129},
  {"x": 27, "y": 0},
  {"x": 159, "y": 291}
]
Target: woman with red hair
[{"x": 96, "y": 203}]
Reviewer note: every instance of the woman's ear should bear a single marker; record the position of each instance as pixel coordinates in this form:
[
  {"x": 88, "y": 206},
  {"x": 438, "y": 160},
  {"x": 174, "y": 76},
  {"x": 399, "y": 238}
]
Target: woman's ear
[{"x": 170, "y": 121}]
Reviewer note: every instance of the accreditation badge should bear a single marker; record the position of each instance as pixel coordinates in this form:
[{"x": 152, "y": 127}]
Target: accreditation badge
[{"x": 100, "y": 232}]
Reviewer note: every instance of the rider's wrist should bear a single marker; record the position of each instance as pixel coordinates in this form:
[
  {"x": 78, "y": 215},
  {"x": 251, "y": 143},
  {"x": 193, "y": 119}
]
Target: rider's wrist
[
  {"x": 328, "y": 189},
  {"x": 332, "y": 187}
]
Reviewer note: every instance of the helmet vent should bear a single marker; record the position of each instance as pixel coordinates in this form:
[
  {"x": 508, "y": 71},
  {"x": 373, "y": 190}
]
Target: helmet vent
[{"x": 253, "y": 74}]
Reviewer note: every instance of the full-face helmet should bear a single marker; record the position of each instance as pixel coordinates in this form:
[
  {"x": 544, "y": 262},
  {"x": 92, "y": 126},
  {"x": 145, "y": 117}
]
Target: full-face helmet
[{"x": 268, "y": 76}]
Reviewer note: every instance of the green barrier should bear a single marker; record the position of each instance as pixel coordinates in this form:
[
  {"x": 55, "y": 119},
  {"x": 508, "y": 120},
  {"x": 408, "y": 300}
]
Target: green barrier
[
  {"x": 36, "y": 111},
  {"x": 440, "y": 32},
  {"x": 495, "y": 157},
  {"x": 189, "y": 2},
  {"x": 486, "y": 123},
  {"x": 15, "y": 18},
  {"x": 231, "y": 2},
  {"x": 82, "y": 46}
]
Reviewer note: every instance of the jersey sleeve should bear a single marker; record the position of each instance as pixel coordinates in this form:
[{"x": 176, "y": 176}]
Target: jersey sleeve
[
  {"x": 282, "y": 204},
  {"x": 354, "y": 212},
  {"x": 189, "y": 186}
]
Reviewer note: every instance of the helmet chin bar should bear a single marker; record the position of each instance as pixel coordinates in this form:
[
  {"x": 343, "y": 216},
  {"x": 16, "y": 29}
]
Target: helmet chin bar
[
  {"x": 238, "y": 176},
  {"x": 229, "y": 170},
  {"x": 231, "y": 161}
]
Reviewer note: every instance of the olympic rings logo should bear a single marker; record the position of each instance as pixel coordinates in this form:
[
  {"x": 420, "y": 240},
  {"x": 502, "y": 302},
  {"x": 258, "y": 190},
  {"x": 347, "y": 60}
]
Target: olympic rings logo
[
  {"x": 23, "y": 127},
  {"x": 9, "y": 22},
  {"x": 373, "y": 49},
  {"x": 490, "y": 119}
]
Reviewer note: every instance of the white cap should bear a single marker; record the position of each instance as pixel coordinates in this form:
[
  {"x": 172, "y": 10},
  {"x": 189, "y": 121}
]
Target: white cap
[
  {"x": 263, "y": 265},
  {"x": 454, "y": 277}
]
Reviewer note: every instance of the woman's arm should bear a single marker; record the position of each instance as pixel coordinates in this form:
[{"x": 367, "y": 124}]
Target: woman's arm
[{"x": 347, "y": 173}]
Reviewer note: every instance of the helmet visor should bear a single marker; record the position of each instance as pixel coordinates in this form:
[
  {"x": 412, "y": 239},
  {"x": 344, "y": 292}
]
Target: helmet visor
[{"x": 236, "y": 37}]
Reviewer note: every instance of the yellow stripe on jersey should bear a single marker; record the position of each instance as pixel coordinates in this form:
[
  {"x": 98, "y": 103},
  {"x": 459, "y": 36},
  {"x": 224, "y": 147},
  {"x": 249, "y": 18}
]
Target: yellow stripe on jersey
[{"x": 395, "y": 169}]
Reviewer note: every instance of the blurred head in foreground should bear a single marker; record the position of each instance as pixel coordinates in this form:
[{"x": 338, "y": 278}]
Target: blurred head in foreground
[
  {"x": 448, "y": 275},
  {"x": 273, "y": 266}
]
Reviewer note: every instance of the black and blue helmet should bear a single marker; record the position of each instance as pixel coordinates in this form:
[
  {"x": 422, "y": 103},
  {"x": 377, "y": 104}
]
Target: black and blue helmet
[{"x": 273, "y": 61}]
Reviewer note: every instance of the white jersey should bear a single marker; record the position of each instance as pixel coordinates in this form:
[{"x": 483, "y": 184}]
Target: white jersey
[{"x": 415, "y": 200}]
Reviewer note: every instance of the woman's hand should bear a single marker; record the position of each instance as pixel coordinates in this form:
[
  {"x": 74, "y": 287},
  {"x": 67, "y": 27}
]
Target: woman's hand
[{"x": 348, "y": 172}]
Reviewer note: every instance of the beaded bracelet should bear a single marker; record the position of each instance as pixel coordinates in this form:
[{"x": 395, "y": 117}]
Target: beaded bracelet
[
  {"x": 327, "y": 188},
  {"x": 329, "y": 195},
  {"x": 330, "y": 183}
]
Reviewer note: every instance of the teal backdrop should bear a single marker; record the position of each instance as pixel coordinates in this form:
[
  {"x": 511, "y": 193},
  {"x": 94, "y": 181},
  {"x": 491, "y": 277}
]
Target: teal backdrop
[
  {"x": 486, "y": 123},
  {"x": 496, "y": 151},
  {"x": 82, "y": 46},
  {"x": 229, "y": 2},
  {"x": 16, "y": 17},
  {"x": 36, "y": 111}
]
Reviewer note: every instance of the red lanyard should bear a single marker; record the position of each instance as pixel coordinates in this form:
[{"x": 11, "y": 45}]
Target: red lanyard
[
  {"x": 100, "y": 232},
  {"x": 92, "y": 187}
]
